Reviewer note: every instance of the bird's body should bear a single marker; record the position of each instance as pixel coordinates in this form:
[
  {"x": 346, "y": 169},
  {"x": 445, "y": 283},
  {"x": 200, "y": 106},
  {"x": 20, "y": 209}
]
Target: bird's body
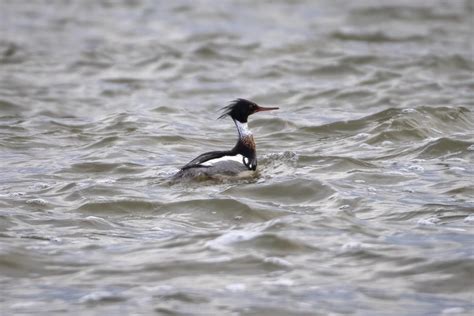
[{"x": 239, "y": 160}]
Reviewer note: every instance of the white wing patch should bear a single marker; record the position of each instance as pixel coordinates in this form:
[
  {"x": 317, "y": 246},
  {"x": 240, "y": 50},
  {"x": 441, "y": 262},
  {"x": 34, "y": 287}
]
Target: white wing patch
[{"x": 211, "y": 162}]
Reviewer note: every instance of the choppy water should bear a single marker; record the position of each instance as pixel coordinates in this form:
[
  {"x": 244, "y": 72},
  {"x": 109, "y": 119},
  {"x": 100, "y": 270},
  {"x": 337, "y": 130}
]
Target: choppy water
[{"x": 364, "y": 202}]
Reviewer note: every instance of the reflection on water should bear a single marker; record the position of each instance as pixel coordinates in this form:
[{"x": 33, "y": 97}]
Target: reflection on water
[{"x": 363, "y": 203}]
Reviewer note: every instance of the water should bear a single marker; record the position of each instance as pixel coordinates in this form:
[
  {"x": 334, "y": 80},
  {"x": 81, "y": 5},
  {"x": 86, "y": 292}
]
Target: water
[{"x": 364, "y": 201}]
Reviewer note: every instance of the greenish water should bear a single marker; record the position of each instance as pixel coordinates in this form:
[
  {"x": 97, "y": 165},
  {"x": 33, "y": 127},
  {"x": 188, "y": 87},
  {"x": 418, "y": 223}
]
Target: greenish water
[{"x": 364, "y": 199}]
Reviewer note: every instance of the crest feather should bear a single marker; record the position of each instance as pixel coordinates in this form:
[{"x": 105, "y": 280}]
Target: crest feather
[{"x": 227, "y": 110}]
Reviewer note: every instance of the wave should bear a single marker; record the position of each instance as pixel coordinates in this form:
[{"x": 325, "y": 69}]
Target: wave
[
  {"x": 404, "y": 13},
  {"x": 286, "y": 192},
  {"x": 402, "y": 123},
  {"x": 374, "y": 36},
  {"x": 445, "y": 147},
  {"x": 103, "y": 167},
  {"x": 9, "y": 108},
  {"x": 122, "y": 206}
]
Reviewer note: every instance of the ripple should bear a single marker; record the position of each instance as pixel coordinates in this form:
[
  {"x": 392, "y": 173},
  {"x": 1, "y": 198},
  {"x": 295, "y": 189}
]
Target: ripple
[
  {"x": 27, "y": 263},
  {"x": 374, "y": 36},
  {"x": 8, "y": 107},
  {"x": 221, "y": 209},
  {"x": 12, "y": 52},
  {"x": 103, "y": 167},
  {"x": 335, "y": 163},
  {"x": 287, "y": 192},
  {"x": 268, "y": 243},
  {"x": 121, "y": 206},
  {"x": 104, "y": 142},
  {"x": 445, "y": 147},
  {"x": 207, "y": 51},
  {"x": 364, "y": 174},
  {"x": 400, "y": 126},
  {"x": 117, "y": 122},
  {"x": 97, "y": 222},
  {"x": 100, "y": 297},
  {"x": 407, "y": 13}
]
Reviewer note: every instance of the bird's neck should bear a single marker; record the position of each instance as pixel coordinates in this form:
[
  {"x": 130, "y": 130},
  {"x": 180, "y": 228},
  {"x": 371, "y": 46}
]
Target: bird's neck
[
  {"x": 246, "y": 145},
  {"x": 243, "y": 129}
]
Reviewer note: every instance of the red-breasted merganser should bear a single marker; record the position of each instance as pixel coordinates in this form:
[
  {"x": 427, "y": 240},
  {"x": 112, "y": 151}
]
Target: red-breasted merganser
[{"x": 243, "y": 157}]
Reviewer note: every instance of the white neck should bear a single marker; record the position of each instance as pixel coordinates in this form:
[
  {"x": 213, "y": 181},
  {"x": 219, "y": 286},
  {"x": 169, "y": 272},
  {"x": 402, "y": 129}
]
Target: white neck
[{"x": 243, "y": 129}]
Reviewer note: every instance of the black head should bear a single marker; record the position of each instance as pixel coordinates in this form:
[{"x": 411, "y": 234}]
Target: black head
[{"x": 240, "y": 109}]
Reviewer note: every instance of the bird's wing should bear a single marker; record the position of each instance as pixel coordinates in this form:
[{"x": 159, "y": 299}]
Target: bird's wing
[{"x": 206, "y": 157}]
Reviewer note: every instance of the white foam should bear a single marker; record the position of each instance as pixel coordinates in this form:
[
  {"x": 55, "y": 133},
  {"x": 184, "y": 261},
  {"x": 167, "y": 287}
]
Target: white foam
[
  {"x": 21, "y": 305},
  {"x": 351, "y": 246},
  {"x": 94, "y": 220},
  {"x": 98, "y": 296},
  {"x": 236, "y": 287},
  {"x": 416, "y": 168},
  {"x": 39, "y": 202},
  {"x": 278, "y": 261},
  {"x": 282, "y": 282},
  {"x": 17, "y": 194},
  {"x": 428, "y": 221},
  {"x": 372, "y": 189},
  {"x": 469, "y": 219},
  {"x": 40, "y": 186},
  {"x": 231, "y": 238},
  {"x": 361, "y": 136},
  {"x": 453, "y": 311},
  {"x": 105, "y": 181},
  {"x": 366, "y": 146}
]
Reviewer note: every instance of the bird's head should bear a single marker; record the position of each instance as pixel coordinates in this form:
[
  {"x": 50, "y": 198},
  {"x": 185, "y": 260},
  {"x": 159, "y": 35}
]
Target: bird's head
[{"x": 240, "y": 109}]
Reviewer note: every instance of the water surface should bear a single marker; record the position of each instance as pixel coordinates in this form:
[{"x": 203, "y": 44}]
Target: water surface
[{"x": 364, "y": 200}]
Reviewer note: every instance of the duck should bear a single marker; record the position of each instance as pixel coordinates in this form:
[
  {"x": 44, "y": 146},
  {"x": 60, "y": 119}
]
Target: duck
[{"x": 241, "y": 159}]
